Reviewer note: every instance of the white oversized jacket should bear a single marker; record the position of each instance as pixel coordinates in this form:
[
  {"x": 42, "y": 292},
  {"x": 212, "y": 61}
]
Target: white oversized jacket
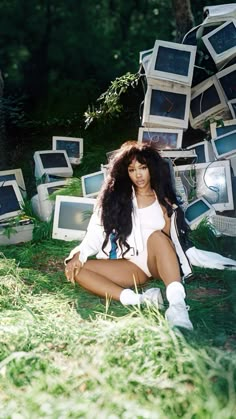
[{"x": 187, "y": 254}]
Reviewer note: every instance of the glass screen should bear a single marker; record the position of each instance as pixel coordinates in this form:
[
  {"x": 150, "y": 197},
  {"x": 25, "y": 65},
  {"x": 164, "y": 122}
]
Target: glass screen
[
  {"x": 208, "y": 99},
  {"x": 196, "y": 210},
  {"x": 8, "y": 200},
  {"x": 224, "y": 39},
  {"x": 226, "y": 144},
  {"x": 50, "y": 160},
  {"x": 74, "y": 215},
  {"x": 162, "y": 140},
  {"x": 168, "y": 104},
  {"x": 72, "y": 147},
  {"x": 173, "y": 61},
  {"x": 93, "y": 184}
]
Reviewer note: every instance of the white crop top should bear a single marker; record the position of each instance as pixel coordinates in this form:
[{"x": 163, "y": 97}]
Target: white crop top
[{"x": 151, "y": 219}]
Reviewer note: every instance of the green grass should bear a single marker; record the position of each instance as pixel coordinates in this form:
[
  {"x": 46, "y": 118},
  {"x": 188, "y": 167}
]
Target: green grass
[{"x": 67, "y": 354}]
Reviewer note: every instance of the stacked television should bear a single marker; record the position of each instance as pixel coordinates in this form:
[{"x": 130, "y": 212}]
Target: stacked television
[{"x": 180, "y": 91}]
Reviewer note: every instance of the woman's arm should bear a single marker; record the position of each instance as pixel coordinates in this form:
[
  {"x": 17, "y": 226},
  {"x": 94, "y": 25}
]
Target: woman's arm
[{"x": 92, "y": 242}]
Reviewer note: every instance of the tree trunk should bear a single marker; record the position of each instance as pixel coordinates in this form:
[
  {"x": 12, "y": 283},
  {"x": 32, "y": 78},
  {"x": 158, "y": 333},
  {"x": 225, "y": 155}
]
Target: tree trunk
[{"x": 183, "y": 17}]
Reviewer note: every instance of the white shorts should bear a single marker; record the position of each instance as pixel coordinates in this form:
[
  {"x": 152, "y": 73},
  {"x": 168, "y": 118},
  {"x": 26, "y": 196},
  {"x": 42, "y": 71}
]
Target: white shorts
[{"x": 141, "y": 261}]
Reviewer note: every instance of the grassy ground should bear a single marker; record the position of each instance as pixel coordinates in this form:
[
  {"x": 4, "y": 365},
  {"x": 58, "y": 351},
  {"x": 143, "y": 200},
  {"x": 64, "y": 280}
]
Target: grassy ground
[{"x": 67, "y": 354}]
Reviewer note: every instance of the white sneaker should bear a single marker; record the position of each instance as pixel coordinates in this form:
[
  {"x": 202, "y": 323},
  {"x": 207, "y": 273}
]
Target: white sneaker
[
  {"x": 153, "y": 296},
  {"x": 177, "y": 315}
]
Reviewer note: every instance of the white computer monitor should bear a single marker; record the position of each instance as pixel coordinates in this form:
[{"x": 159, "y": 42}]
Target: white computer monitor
[
  {"x": 73, "y": 146},
  {"x": 111, "y": 154},
  {"x": 207, "y": 101},
  {"x": 223, "y": 128},
  {"x": 166, "y": 106},
  {"x": 196, "y": 211},
  {"x": 52, "y": 162},
  {"x": 219, "y": 12},
  {"x": 221, "y": 42},
  {"x": 14, "y": 174},
  {"x": 232, "y": 107},
  {"x": 211, "y": 181},
  {"x": 171, "y": 61},
  {"x": 224, "y": 145},
  {"x": 92, "y": 183},
  {"x": 11, "y": 199},
  {"x": 71, "y": 217},
  {"x": 163, "y": 138},
  {"x": 204, "y": 151},
  {"x": 227, "y": 79},
  {"x": 144, "y": 58},
  {"x": 45, "y": 190}
]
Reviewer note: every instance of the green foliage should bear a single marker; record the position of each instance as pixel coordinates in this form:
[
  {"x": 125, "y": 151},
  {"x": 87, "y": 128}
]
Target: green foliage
[
  {"x": 111, "y": 105},
  {"x": 204, "y": 237}
]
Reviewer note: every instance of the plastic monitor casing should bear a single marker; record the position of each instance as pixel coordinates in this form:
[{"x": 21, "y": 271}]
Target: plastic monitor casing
[
  {"x": 14, "y": 174},
  {"x": 230, "y": 137},
  {"x": 166, "y": 137},
  {"x": 170, "y": 68},
  {"x": 226, "y": 55},
  {"x": 212, "y": 181},
  {"x": 98, "y": 179},
  {"x": 69, "y": 209},
  {"x": 18, "y": 196},
  {"x": 40, "y": 170},
  {"x": 67, "y": 141},
  {"x": 205, "y": 149},
  {"x": 217, "y": 130},
  {"x": 202, "y": 91},
  {"x": 173, "y": 101},
  {"x": 207, "y": 212},
  {"x": 46, "y": 204}
]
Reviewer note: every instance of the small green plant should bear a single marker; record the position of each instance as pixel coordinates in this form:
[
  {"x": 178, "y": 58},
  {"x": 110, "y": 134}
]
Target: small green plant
[{"x": 110, "y": 104}]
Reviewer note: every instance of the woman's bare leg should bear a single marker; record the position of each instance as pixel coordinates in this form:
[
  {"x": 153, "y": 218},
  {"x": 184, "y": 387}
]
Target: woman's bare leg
[
  {"x": 162, "y": 259},
  {"x": 163, "y": 263},
  {"x": 108, "y": 278}
]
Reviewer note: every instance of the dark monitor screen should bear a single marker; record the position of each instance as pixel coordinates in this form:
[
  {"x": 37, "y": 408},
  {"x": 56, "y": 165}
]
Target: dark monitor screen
[
  {"x": 74, "y": 215},
  {"x": 226, "y": 144},
  {"x": 172, "y": 60},
  {"x": 72, "y": 147},
  {"x": 196, "y": 210},
  {"x": 94, "y": 183},
  {"x": 228, "y": 83},
  {"x": 200, "y": 152},
  {"x": 4, "y": 178},
  {"x": 225, "y": 129},
  {"x": 8, "y": 200},
  {"x": 53, "y": 189},
  {"x": 168, "y": 104},
  {"x": 161, "y": 139},
  {"x": 224, "y": 38},
  {"x": 206, "y": 100},
  {"x": 53, "y": 178},
  {"x": 53, "y": 160}
]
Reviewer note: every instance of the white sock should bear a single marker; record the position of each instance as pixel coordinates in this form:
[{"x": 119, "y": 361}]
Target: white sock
[
  {"x": 129, "y": 297},
  {"x": 175, "y": 293}
]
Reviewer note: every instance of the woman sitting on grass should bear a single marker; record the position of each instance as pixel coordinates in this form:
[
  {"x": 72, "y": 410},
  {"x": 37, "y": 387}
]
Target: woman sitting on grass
[{"x": 133, "y": 233}]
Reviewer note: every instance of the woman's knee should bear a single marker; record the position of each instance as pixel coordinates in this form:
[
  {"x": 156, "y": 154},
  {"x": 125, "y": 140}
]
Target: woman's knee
[{"x": 157, "y": 237}]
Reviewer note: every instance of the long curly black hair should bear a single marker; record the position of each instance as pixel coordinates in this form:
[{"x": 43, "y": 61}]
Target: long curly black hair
[{"x": 115, "y": 199}]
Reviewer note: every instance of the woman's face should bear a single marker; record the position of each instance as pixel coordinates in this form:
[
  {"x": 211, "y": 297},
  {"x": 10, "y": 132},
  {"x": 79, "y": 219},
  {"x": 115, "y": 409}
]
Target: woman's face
[{"x": 139, "y": 174}]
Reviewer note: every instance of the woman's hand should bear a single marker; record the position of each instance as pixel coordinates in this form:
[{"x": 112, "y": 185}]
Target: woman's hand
[{"x": 73, "y": 268}]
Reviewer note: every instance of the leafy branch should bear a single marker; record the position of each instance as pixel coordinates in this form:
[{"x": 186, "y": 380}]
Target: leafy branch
[{"x": 110, "y": 105}]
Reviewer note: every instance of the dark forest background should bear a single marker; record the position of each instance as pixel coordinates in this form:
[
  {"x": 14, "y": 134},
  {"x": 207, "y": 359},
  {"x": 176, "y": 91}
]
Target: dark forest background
[{"x": 57, "y": 57}]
